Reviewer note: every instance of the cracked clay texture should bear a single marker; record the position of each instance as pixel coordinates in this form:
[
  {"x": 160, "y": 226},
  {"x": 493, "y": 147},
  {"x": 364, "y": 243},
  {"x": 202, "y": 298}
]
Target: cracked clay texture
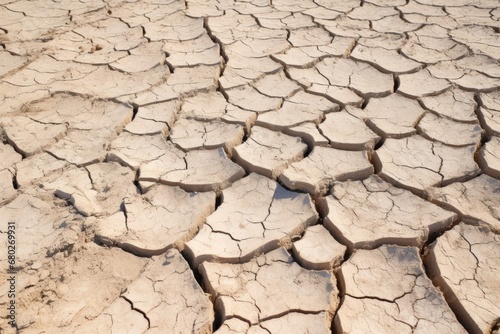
[{"x": 250, "y": 166}]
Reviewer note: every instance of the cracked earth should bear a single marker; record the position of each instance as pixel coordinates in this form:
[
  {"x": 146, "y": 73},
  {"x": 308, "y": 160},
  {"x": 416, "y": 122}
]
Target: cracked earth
[{"x": 251, "y": 166}]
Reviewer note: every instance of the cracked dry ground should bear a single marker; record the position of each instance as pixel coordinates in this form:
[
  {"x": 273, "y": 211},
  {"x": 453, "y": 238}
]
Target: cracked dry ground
[{"x": 265, "y": 166}]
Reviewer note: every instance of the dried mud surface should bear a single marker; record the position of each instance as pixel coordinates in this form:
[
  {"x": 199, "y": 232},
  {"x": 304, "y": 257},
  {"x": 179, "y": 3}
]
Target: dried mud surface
[{"x": 250, "y": 166}]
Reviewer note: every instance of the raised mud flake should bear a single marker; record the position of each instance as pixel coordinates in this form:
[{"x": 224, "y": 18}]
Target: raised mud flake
[
  {"x": 163, "y": 218},
  {"x": 191, "y": 134},
  {"x": 421, "y": 83},
  {"x": 360, "y": 77},
  {"x": 387, "y": 291},
  {"x": 62, "y": 293},
  {"x": 476, "y": 199},
  {"x": 256, "y": 216},
  {"x": 449, "y": 132},
  {"x": 393, "y": 116},
  {"x": 316, "y": 173},
  {"x": 270, "y": 286},
  {"x": 300, "y": 108},
  {"x": 268, "y": 152},
  {"x": 388, "y": 60},
  {"x": 204, "y": 170},
  {"x": 454, "y": 103},
  {"x": 347, "y": 132},
  {"x": 416, "y": 163},
  {"x": 464, "y": 263},
  {"x": 169, "y": 296},
  {"x": 490, "y": 157},
  {"x": 369, "y": 213},
  {"x": 318, "y": 250}
]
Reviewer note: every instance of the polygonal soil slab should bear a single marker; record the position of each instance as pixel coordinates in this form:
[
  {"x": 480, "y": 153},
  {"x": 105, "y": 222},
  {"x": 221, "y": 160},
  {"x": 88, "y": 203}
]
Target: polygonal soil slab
[
  {"x": 323, "y": 166},
  {"x": 449, "y": 132},
  {"x": 421, "y": 84},
  {"x": 37, "y": 223},
  {"x": 454, "y": 103},
  {"x": 268, "y": 152},
  {"x": 163, "y": 218},
  {"x": 191, "y": 134},
  {"x": 300, "y": 108},
  {"x": 393, "y": 116},
  {"x": 476, "y": 199},
  {"x": 347, "y": 132},
  {"x": 369, "y": 213},
  {"x": 417, "y": 163},
  {"x": 205, "y": 170},
  {"x": 387, "y": 291},
  {"x": 70, "y": 127},
  {"x": 256, "y": 216},
  {"x": 36, "y": 167},
  {"x": 166, "y": 296},
  {"x": 80, "y": 283},
  {"x": 289, "y": 323},
  {"x": 360, "y": 77},
  {"x": 96, "y": 190},
  {"x": 489, "y": 159},
  {"x": 269, "y": 286},
  {"x": 464, "y": 263},
  {"x": 318, "y": 250}
]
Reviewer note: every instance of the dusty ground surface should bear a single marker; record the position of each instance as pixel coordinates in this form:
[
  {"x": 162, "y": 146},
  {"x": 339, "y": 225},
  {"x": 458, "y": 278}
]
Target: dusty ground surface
[{"x": 265, "y": 166}]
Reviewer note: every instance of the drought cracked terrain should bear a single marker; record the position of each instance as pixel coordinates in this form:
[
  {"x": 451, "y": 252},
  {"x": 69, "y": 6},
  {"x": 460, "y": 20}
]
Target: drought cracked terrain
[{"x": 251, "y": 166}]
